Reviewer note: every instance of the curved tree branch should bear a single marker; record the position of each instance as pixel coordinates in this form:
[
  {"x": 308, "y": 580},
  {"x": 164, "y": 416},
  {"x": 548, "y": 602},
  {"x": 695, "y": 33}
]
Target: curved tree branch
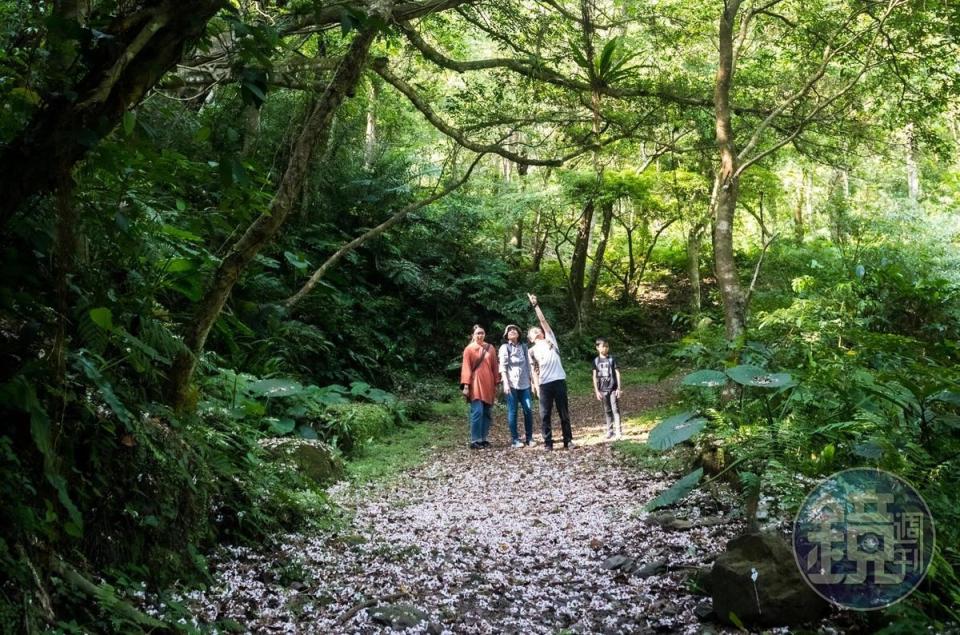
[
  {"x": 380, "y": 66},
  {"x": 330, "y": 262}
]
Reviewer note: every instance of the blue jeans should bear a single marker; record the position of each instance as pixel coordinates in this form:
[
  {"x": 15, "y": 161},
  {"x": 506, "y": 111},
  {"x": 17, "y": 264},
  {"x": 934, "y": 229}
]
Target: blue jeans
[
  {"x": 481, "y": 414},
  {"x": 519, "y": 397}
]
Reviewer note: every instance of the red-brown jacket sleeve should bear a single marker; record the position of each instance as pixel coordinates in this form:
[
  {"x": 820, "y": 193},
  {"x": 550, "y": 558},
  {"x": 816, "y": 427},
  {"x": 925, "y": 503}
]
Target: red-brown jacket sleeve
[{"x": 468, "y": 362}]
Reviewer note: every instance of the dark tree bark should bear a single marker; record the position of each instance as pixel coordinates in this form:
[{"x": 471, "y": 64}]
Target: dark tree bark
[
  {"x": 728, "y": 181},
  {"x": 798, "y": 221},
  {"x": 144, "y": 44},
  {"x": 265, "y": 227},
  {"x": 606, "y": 222},
  {"x": 694, "y": 238},
  {"x": 578, "y": 263}
]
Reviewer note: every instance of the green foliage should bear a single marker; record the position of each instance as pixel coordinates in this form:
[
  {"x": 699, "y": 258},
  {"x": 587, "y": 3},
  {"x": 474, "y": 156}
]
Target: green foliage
[
  {"x": 675, "y": 429},
  {"x": 675, "y": 492}
]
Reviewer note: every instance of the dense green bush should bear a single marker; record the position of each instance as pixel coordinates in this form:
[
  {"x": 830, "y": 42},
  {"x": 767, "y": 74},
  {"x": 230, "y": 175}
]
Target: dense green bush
[{"x": 876, "y": 384}]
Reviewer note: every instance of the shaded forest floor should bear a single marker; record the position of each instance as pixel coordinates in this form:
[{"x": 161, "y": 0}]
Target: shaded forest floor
[{"x": 498, "y": 540}]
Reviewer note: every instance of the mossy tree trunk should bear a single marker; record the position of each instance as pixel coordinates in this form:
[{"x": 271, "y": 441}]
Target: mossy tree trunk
[{"x": 262, "y": 230}]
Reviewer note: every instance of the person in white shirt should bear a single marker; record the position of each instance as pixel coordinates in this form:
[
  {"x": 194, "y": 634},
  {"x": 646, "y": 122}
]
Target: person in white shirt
[{"x": 549, "y": 379}]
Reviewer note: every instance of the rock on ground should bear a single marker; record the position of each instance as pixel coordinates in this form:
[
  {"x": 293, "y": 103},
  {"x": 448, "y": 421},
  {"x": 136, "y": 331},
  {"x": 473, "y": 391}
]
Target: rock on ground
[{"x": 778, "y": 597}]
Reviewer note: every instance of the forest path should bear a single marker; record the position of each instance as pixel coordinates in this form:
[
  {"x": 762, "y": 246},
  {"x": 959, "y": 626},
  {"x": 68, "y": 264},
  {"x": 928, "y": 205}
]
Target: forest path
[{"x": 493, "y": 541}]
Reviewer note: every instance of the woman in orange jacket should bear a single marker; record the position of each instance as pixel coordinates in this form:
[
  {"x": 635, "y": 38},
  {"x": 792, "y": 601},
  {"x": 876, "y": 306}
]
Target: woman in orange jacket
[{"x": 478, "y": 381}]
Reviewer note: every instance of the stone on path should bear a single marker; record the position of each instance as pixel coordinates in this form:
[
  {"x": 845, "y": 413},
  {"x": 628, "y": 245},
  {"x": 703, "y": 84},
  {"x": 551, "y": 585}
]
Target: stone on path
[
  {"x": 398, "y": 615},
  {"x": 314, "y": 459},
  {"x": 784, "y": 597}
]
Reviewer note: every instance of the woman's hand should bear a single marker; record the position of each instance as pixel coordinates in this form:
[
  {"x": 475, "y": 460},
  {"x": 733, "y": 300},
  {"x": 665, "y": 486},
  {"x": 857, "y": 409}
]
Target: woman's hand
[
  {"x": 532, "y": 298},
  {"x": 599, "y": 396}
]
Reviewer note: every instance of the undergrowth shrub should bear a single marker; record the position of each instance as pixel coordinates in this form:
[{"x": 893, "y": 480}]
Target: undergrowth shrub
[{"x": 869, "y": 343}]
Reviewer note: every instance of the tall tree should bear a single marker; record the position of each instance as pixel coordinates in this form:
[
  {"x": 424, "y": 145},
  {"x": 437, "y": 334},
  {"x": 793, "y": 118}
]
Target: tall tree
[{"x": 265, "y": 227}]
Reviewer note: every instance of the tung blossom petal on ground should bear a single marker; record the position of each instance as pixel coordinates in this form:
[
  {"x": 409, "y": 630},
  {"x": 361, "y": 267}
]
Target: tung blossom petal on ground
[{"x": 496, "y": 541}]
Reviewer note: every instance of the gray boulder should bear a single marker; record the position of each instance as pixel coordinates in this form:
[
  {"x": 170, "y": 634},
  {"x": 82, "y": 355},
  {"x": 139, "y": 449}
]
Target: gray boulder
[
  {"x": 314, "y": 459},
  {"x": 780, "y": 597}
]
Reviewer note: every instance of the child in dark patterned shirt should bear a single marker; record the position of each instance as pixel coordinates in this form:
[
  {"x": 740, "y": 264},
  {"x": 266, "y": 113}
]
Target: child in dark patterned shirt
[{"x": 607, "y": 387}]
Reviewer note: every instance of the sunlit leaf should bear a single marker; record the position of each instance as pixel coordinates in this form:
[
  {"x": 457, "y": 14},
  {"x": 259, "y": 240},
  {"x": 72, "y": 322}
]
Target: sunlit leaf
[
  {"x": 674, "y": 430},
  {"x": 676, "y": 492},
  {"x": 705, "y": 378}
]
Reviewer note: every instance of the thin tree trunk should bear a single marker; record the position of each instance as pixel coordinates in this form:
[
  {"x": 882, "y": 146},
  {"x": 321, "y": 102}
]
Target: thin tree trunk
[
  {"x": 539, "y": 242},
  {"x": 606, "y": 223},
  {"x": 646, "y": 256},
  {"x": 251, "y": 128},
  {"x": 728, "y": 184},
  {"x": 578, "y": 262},
  {"x": 64, "y": 253},
  {"x": 798, "y": 223},
  {"x": 627, "y": 292},
  {"x": 694, "y": 239},
  {"x": 913, "y": 165},
  {"x": 265, "y": 227},
  {"x": 370, "y": 136}
]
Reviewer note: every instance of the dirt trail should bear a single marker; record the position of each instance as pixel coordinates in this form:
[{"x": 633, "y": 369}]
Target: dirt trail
[{"x": 492, "y": 541}]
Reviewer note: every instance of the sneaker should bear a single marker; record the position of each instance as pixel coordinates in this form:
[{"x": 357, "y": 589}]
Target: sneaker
[
  {"x": 484, "y": 444},
  {"x": 569, "y": 445},
  {"x": 475, "y": 445},
  {"x": 517, "y": 444},
  {"x": 548, "y": 446},
  {"x": 530, "y": 443}
]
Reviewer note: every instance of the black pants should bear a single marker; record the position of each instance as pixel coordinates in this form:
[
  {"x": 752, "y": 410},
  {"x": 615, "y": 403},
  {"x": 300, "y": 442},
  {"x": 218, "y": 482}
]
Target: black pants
[{"x": 555, "y": 392}]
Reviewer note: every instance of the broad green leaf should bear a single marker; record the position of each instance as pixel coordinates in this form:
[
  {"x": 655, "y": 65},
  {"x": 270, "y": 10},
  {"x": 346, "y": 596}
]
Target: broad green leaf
[
  {"x": 176, "y": 232},
  {"x": 359, "y": 387},
  {"x": 747, "y": 375},
  {"x": 129, "y": 121},
  {"x": 202, "y": 134},
  {"x": 275, "y": 388},
  {"x": 281, "y": 426},
  {"x": 102, "y": 317},
  {"x": 296, "y": 260},
  {"x": 705, "y": 378},
  {"x": 676, "y": 492},
  {"x": 179, "y": 265},
  {"x": 674, "y": 430},
  {"x": 608, "y": 50}
]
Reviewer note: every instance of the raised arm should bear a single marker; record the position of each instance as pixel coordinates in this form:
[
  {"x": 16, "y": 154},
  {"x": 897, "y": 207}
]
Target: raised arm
[{"x": 543, "y": 320}]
